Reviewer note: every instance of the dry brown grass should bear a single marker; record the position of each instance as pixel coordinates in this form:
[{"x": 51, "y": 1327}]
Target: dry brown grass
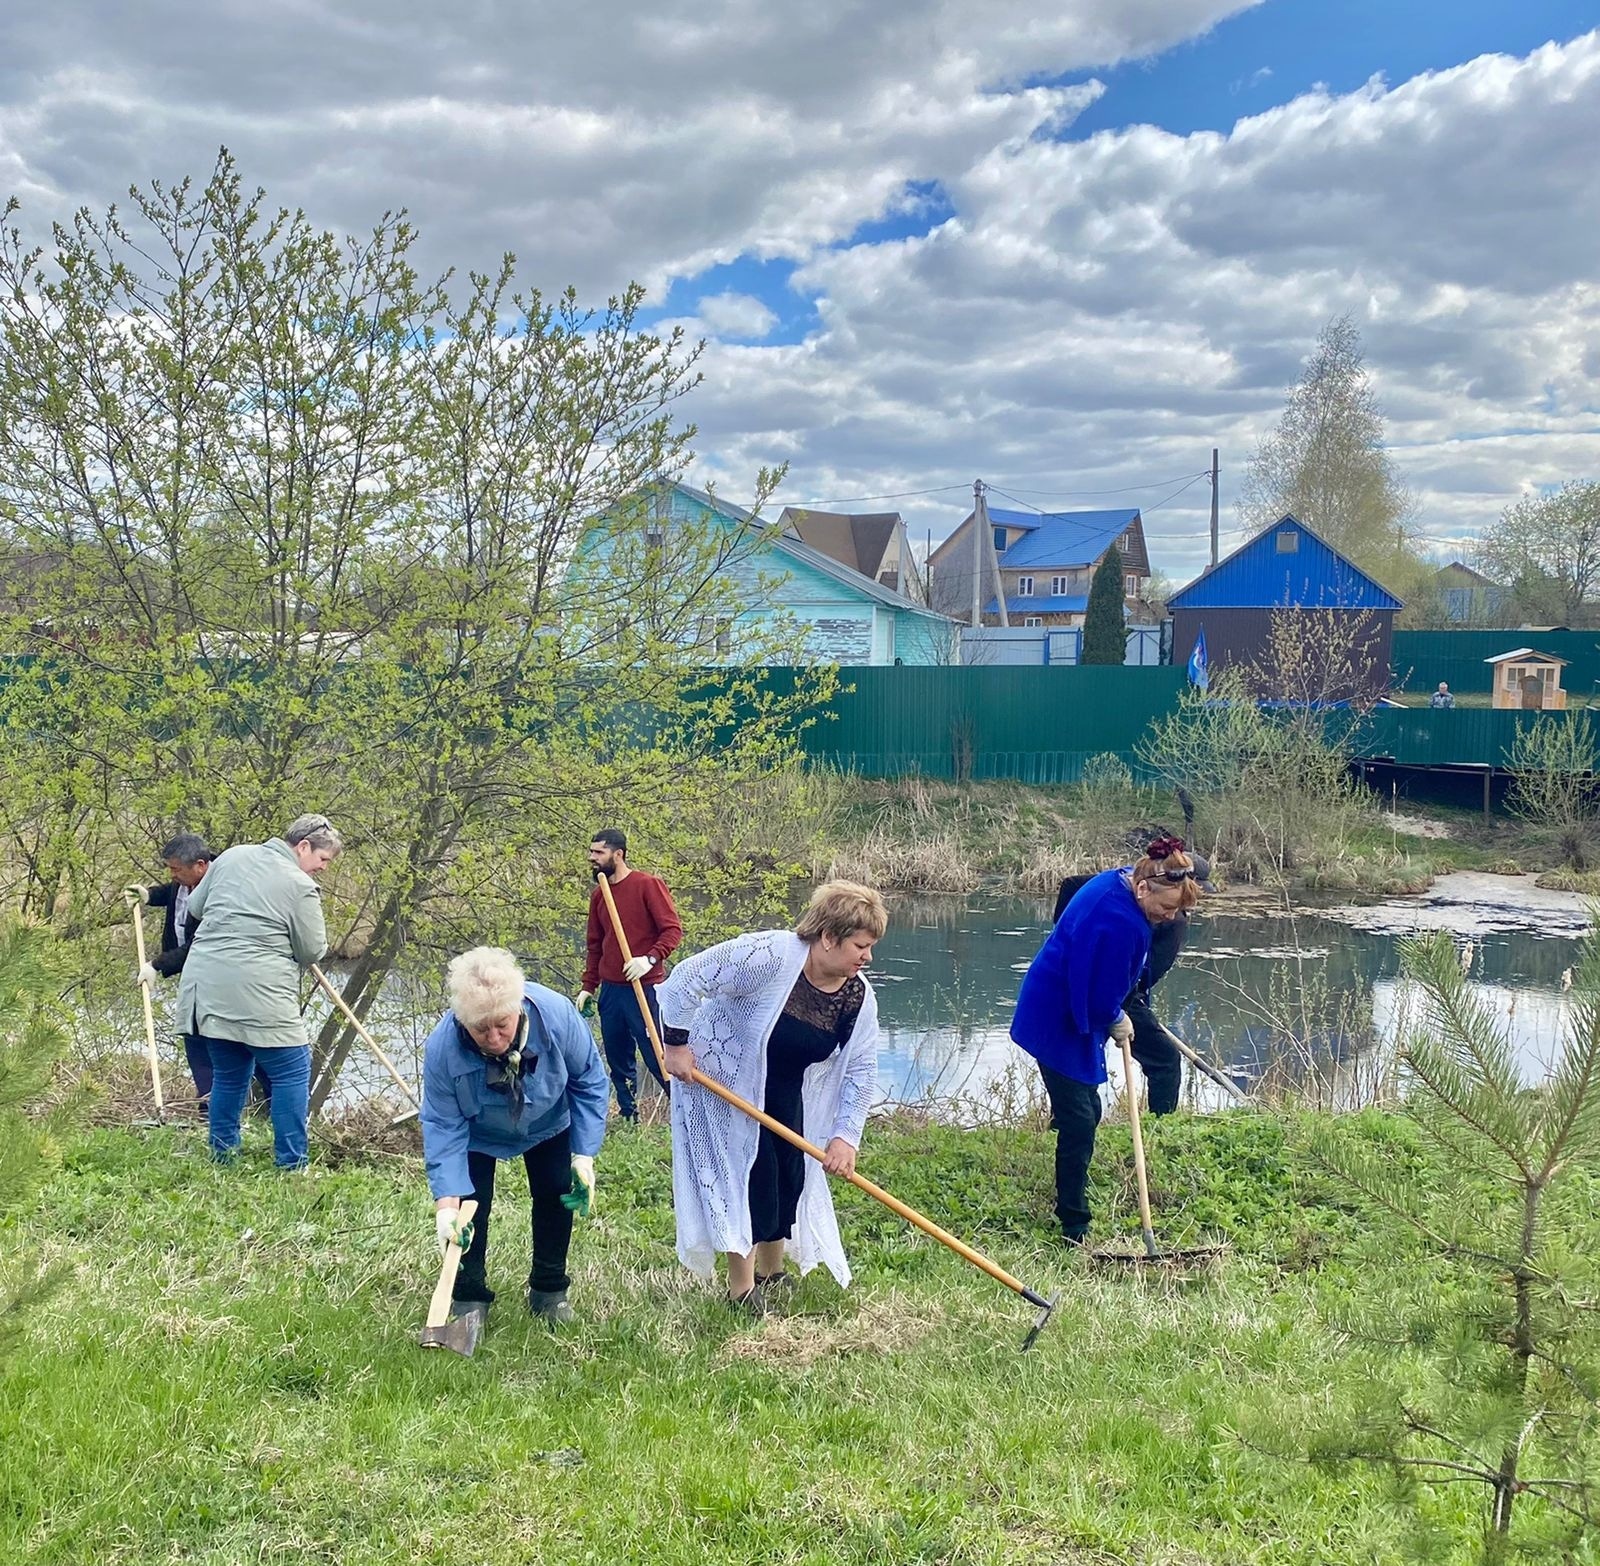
[{"x": 886, "y": 1324}]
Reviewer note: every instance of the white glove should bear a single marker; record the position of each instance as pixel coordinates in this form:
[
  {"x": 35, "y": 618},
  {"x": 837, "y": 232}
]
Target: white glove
[
  {"x": 450, "y": 1230},
  {"x": 584, "y": 1001},
  {"x": 133, "y": 895},
  {"x": 637, "y": 968},
  {"x": 147, "y": 975},
  {"x": 1122, "y": 1030}
]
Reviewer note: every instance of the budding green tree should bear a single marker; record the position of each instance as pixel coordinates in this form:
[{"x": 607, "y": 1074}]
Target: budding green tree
[{"x": 287, "y": 526}]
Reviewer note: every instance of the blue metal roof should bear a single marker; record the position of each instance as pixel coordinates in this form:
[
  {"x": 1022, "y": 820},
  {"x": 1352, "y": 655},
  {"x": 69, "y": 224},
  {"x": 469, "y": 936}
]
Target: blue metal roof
[
  {"x": 1260, "y": 575},
  {"x": 1061, "y": 538},
  {"x": 1063, "y": 605}
]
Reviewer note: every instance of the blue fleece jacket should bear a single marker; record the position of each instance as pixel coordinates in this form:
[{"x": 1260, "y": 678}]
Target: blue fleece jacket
[
  {"x": 567, "y": 1087},
  {"x": 1074, "y": 989}
]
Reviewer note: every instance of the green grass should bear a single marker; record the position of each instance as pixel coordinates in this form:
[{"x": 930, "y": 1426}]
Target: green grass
[{"x": 232, "y": 1373}]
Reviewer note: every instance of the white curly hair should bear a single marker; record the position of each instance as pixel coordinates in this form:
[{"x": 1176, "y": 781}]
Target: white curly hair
[{"x": 485, "y": 984}]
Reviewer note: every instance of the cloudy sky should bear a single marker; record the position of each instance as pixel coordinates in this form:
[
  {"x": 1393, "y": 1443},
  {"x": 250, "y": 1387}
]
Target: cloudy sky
[{"x": 1064, "y": 247}]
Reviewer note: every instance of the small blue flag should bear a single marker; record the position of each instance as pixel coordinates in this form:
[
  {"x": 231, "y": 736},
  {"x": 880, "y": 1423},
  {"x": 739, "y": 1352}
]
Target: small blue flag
[{"x": 1198, "y": 674}]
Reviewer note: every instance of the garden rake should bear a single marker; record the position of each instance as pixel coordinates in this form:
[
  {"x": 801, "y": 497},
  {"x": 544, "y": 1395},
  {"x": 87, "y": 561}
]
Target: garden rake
[
  {"x": 1044, "y": 1306},
  {"x": 1152, "y": 1252}
]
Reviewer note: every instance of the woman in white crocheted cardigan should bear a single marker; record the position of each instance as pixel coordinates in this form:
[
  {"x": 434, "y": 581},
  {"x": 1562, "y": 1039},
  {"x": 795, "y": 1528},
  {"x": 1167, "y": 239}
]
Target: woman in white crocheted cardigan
[{"x": 785, "y": 1020}]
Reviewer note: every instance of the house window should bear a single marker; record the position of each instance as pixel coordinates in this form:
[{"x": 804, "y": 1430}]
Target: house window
[
  {"x": 1125, "y": 543},
  {"x": 724, "y": 638},
  {"x": 999, "y": 540},
  {"x": 1288, "y": 540},
  {"x": 1024, "y": 587},
  {"x": 1058, "y": 587},
  {"x": 1458, "y": 603},
  {"x": 1033, "y": 619},
  {"x": 653, "y": 536},
  {"x": 1130, "y": 585}
]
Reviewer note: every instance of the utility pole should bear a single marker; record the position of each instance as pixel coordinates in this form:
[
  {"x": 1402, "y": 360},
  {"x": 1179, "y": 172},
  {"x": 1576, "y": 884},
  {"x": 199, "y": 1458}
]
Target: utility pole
[
  {"x": 977, "y": 553},
  {"x": 980, "y": 514},
  {"x": 1213, "y": 505}
]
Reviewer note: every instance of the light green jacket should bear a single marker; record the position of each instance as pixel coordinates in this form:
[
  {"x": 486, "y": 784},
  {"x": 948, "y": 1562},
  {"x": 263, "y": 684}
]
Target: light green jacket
[{"x": 260, "y": 926}]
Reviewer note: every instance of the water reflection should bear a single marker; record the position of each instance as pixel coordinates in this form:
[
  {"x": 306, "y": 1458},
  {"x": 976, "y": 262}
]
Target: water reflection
[{"x": 948, "y": 970}]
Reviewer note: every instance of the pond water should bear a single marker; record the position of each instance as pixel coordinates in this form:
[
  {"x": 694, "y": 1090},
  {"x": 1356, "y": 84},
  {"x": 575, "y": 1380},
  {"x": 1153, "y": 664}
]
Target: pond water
[
  {"x": 948, "y": 971},
  {"x": 1250, "y": 978}
]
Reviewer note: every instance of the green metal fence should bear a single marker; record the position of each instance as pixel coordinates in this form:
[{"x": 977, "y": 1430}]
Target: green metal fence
[
  {"x": 1420, "y": 659},
  {"x": 1459, "y": 737},
  {"x": 1032, "y": 725}
]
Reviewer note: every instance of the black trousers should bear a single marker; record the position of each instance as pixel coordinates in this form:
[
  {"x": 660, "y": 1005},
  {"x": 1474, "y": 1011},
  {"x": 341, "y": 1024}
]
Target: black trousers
[
  {"x": 1075, "y": 1114},
  {"x": 549, "y": 1166},
  {"x": 1157, "y": 1055}
]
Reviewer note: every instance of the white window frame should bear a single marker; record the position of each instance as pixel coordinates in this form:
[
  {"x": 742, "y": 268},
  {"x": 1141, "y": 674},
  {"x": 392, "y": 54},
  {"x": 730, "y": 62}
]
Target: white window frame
[
  {"x": 1130, "y": 584},
  {"x": 1032, "y": 619},
  {"x": 1024, "y": 587},
  {"x": 1060, "y": 586}
]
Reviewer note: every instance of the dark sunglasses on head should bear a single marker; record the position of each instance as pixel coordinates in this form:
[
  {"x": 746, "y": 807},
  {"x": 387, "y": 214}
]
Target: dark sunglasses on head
[{"x": 1176, "y": 876}]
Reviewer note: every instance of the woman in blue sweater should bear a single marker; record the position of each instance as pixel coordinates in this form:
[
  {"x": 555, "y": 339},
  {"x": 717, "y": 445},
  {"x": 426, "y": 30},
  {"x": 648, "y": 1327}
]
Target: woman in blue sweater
[
  {"x": 1072, "y": 1001},
  {"x": 511, "y": 1071}
]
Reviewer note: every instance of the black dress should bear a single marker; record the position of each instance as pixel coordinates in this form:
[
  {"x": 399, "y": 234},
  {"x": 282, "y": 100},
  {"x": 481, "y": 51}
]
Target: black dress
[{"x": 812, "y": 1025}]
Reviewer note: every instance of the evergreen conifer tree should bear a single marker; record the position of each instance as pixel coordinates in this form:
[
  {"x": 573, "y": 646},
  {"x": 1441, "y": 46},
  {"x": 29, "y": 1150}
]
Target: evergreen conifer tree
[{"x": 1105, "y": 633}]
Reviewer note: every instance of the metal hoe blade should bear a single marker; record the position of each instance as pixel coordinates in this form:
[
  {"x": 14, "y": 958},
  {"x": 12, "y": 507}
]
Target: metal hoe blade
[
  {"x": 460, "y": 1334},
  {"x": 1046, "y": 1310}
]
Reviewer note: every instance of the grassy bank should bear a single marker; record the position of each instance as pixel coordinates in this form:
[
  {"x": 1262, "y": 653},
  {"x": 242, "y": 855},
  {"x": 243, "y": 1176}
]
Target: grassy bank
[
  {"x": 231, "y": 1374},
  {"x": 918, "y": 834}
]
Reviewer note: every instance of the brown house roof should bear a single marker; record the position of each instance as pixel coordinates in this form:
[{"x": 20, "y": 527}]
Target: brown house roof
[{"x": 856, "y": 541}]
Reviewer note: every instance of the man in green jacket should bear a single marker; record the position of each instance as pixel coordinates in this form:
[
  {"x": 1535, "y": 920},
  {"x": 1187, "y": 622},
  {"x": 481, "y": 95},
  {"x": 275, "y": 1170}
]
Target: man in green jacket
[{"x": 261, "y": 926}]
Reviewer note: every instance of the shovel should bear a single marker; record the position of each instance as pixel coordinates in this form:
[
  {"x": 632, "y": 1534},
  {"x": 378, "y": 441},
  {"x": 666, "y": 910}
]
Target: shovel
[{"x": 458, "y": 1333}]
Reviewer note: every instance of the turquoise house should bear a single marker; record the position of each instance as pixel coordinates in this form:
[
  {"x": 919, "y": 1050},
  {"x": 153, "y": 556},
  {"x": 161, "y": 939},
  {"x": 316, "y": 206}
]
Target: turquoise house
[{"x": 845, "y": 618}]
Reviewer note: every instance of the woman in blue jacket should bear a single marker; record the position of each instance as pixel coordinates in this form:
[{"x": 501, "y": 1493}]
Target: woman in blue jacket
[
  {"x": 1072, "y": 1001},
  {"x": 511, "y": 1071}
]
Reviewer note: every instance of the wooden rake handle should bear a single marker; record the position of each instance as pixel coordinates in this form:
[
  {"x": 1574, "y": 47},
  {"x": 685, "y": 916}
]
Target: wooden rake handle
[
  {"x": 778, "y": 1128},
  {"x": 149, "y": 1015},
  {"x": 1131, "y": 1087},
  {"x": 366, "y": 1038}
]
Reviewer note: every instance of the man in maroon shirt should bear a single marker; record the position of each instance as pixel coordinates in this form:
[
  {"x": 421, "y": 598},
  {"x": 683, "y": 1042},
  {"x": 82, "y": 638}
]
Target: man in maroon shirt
[{"x": 651, "y": 922}]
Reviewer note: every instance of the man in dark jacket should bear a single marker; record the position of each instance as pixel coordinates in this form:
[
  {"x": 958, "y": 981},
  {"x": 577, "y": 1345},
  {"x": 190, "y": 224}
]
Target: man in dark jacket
[{"x": 1157, "y": 1055}]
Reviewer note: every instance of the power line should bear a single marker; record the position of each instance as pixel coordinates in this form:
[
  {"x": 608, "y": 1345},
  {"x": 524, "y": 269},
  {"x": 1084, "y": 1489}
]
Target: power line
[
  {"x": 1078, "y": 494},
  {"x": 1174, "y": 495},
  {"x": 856, "y": 500}
]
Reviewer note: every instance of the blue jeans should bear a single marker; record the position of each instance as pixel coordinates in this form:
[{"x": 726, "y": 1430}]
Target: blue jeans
[
  {"x": 289, "y": 1071},
  {"x": 623, "y": 1034}
]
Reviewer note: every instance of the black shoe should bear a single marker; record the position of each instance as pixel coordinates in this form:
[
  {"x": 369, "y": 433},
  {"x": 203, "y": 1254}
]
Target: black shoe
[
  {"x": 775, "y": 1285},
  {"x": 750, "y": 1303},
  {"x": 1077, "y": 1238},
  {"x": 550, "y": 1305}
]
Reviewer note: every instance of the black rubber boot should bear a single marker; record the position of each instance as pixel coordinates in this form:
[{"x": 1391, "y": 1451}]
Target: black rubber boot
[
  {"x": 471, "y": 1289},
  {"x": 550, "y": 1306}
]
